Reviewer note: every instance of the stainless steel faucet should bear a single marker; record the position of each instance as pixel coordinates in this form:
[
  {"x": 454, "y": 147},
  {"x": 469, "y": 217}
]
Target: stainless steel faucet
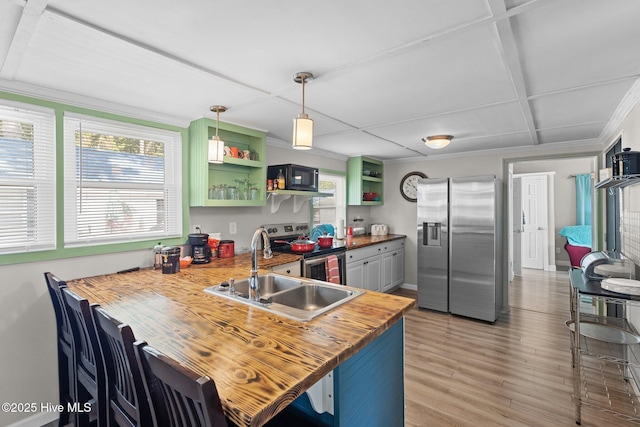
[{"x": 254, "y": 284}]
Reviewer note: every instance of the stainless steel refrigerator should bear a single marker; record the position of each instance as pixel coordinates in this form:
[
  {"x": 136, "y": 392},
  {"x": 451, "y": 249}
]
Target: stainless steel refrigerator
[{"x": 460, "y": 246}]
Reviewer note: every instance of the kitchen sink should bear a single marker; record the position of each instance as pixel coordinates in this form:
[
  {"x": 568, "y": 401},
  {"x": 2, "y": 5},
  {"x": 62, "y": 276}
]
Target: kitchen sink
[
  {"x": 297, "y": 298},
  {"x": 311, "y": 297},
  {"x": 269, "y": 284}
]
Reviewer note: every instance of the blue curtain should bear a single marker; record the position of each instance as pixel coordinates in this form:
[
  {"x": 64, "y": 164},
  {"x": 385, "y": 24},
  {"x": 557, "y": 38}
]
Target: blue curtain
[{"x": 583, "y": 199}]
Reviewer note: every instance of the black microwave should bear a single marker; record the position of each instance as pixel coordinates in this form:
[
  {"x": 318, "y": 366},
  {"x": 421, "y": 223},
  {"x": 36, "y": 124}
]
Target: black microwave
[{"x": 296, "y": 177}]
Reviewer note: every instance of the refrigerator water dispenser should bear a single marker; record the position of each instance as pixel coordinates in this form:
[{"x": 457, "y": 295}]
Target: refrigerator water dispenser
[{"x": 432, "y": 236}]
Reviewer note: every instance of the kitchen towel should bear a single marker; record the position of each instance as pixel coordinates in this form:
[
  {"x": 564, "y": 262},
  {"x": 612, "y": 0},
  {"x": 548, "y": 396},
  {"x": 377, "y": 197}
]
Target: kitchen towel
[{"x": 333, "y": 269}]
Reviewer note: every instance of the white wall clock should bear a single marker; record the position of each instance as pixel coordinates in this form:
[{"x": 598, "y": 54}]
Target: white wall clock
[{"x": 409, "y": 185}]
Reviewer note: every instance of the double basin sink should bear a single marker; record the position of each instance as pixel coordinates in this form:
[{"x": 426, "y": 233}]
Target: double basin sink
[{"x": 294, "y": 297}]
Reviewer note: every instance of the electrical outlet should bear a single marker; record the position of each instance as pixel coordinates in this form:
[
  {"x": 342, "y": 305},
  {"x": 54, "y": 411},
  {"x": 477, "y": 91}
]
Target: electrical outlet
[
  {"x": 233, "y": 228},
  {"x": 196, "y": 228}
]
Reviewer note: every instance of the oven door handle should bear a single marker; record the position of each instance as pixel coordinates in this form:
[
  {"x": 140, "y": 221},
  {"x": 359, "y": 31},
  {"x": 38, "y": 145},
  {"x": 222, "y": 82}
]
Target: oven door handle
[
  {"x": 315, "y": 261},
  {"x": 322, "y": 259}
]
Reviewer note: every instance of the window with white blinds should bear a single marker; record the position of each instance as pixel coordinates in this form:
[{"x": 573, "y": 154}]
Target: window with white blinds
[
  {"x": 27, "y": 178},
  {"x": 122, "y": 182},
  {"x": 330, "y": 210}
]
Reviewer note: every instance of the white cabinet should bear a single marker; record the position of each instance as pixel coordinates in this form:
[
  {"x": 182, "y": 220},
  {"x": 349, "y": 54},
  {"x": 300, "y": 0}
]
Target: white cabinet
[
  {"x": 392, "y": 265},
  {"x": 355, "y": 274},
  {"x": 365, "y": 273},
  {"x": 289, "y": 269},
  {"x": 377, "y": 267},
  {"x": 387, "y": 271},
  {"x": 398, "y": 267}
]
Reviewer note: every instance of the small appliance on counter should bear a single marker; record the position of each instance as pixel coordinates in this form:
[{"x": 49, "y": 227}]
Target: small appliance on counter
[
  {"x": 200, "y": 250},
  {"x": 379, "y": 230}
]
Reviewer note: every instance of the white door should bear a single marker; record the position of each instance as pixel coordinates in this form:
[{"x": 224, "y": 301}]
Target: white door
[
  {"x": 517, "y": 227},
  {"x": 534, "y": 220}
]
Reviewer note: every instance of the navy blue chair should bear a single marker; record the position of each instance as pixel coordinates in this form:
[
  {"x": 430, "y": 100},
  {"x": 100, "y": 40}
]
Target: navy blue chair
[
  {"x": 66, "y": 361},
  {"x": 126, "y": 398},
  {"x": 90, "y": 387}
]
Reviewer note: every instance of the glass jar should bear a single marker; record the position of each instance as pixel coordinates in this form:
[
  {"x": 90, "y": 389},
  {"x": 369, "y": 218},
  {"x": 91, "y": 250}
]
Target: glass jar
[
  {"x": 221, "y": 192},
  {"x": 255, "y": 193},
  {"x": 232, "y": 193}
]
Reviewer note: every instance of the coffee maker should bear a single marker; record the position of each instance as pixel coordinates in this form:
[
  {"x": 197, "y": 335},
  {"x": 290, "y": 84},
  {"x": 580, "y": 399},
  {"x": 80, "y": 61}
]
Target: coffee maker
[{"x": 200, "y": 250}]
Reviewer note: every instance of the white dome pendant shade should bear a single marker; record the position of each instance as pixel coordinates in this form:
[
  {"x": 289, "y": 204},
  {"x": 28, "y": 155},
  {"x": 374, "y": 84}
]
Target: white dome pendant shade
[
  {"x": 302, "y": 125},
  {"x": 216, "y": 145},
  {"x": 437, "y": 141}
]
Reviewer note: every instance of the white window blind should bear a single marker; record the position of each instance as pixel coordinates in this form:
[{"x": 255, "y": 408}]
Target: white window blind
[
  {"x": 27, "y": 179},
  {"x": 122, "y": 182}
]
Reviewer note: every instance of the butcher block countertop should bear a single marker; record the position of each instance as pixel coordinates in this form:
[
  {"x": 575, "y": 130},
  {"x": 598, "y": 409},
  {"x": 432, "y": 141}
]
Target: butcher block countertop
[
  {"x": 259, "y": 361},
  {"x": 368, "y": 240}
]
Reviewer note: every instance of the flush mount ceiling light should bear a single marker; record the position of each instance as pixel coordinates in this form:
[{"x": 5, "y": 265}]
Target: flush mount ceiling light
[
  {"x": 302, "y": 125},
  {"x": 216, "y": 145},
  {"x": 437, "y": 141}
]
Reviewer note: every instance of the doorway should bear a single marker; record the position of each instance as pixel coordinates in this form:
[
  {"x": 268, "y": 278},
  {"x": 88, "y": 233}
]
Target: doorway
[
  {"x": 535, "y": 220},
  {"x": 561, "y": 185}
]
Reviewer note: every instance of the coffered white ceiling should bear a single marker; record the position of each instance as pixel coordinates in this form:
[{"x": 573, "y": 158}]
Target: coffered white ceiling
[{"x": 496, "y": 74}]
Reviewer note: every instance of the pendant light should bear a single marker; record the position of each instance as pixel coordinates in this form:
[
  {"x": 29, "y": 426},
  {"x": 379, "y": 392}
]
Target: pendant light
[
  {"x": 302, "y": 125},
  {"x": 216, "y": 145},
  {"x": 437, "y": 141}
]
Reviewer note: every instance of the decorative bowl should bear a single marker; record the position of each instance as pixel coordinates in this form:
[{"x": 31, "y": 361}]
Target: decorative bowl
[{"x": 185, "y": 261}]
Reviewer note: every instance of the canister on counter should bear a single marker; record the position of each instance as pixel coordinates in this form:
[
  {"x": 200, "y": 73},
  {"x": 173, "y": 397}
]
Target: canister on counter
[
  {"x": 170, "y": 259},
  {"x": 226, "y": 249}
]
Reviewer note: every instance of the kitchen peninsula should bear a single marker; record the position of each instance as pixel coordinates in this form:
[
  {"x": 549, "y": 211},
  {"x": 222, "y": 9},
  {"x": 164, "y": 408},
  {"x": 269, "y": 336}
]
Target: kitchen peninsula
[{"x": 262, "y": 362}]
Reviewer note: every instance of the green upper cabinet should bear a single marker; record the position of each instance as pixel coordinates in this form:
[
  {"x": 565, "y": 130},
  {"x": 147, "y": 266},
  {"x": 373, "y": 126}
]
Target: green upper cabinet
[
  {"x": 215, "y": 184},
  {"x": 364, "y": 175}
]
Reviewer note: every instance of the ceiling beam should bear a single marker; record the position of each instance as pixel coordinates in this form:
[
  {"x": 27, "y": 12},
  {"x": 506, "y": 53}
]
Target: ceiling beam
[
  {"x": 31, "y": 15},
  {"x": 509, "y": 52}
]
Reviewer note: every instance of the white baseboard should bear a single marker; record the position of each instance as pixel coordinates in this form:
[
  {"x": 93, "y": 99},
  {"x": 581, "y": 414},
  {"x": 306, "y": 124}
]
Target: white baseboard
[
  {"x": 409, "y": 286},
  {"x": 40, "y": 419}
]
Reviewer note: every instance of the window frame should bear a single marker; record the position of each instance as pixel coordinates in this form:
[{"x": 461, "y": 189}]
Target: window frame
[
  {"x": 42, "y": 179},
  {"x": 64, "y": 253},
  {"x": 74, "y": 185},
  {"x": 339, "y": 215}
]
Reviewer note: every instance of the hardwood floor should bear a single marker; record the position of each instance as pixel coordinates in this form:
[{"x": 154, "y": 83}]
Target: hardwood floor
[{"x": 515, "y": 372}]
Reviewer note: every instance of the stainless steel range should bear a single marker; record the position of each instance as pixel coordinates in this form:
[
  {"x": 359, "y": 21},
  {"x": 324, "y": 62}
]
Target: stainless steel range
[{"x": 313, "y": 264}]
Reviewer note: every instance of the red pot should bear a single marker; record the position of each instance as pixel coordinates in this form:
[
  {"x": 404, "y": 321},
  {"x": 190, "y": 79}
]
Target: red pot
[
  {"x": 300, "y": 245},
  {"x": 325, "y": 241}
]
